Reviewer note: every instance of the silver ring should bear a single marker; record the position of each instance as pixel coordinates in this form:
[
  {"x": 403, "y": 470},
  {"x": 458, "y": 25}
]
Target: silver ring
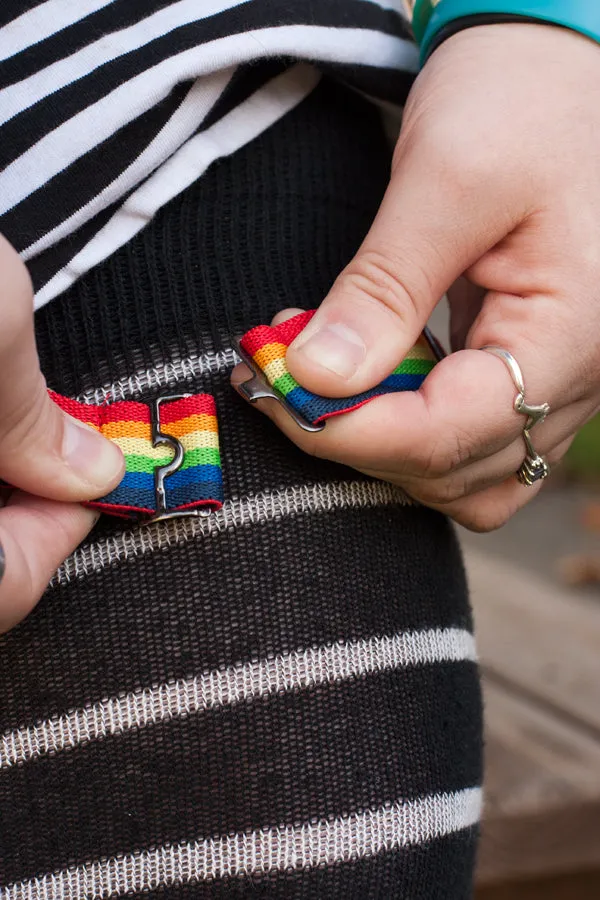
[{"x": 534, "y": 467}]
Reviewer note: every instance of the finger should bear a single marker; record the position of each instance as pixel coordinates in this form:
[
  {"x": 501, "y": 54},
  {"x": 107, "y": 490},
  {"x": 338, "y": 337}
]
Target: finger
[
  {"x": 370, "y": 440},
  {"x": 551, "y": 439},
  {"x": 420, "y": 242},
  {"x": 463, "y": 412},
  {"x": 286, "y": 314},
  {"x": 42, "y": 450},
  {"x": 443, "y": 493},
  {"x": 483, "y": 511},
  {"x": 36, "y": 535},
  {"x": 492, "y": 508},
  {"x": 470, "y": 398},
  {"x": 473, "y": 402},
  {"x": 553, "y": 354}
]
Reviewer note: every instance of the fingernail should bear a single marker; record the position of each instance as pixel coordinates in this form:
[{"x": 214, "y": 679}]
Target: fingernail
[
  {"x": 93, "y": 457},
  {"x": 2, "y": 562},
  {"x": 95, "y": 518},
  {"x": 336, "y": 347}
]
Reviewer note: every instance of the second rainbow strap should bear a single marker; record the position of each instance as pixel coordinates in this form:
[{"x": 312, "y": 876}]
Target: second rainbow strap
[{"x": 264, "y": 349}]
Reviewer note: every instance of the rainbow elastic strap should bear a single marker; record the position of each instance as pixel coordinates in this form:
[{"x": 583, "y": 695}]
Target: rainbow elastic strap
[
  {"x": 171, "y": 449},
  {"x": 171, "y": 446},
  {"x": 264, "y": 348}
]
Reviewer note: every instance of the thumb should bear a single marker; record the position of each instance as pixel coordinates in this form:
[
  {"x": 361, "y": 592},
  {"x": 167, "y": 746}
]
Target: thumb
[
  {"x": 36, "y": 535},
  {"x": 42, "y": 450},
  {"x": 432, "y": 225}
]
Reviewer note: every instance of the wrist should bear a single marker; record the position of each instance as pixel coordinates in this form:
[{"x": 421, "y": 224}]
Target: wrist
[{"x": 435, "y": 20}]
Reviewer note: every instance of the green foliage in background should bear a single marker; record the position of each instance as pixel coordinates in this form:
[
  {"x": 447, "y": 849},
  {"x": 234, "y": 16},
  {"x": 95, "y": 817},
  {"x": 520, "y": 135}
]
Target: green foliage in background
[{"x": 583, "y": 458}]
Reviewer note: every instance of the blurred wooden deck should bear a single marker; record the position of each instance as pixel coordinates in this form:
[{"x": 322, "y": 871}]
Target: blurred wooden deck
[
  {"x": 540, "y": 654},
  {"x": 581, "y": 886}
]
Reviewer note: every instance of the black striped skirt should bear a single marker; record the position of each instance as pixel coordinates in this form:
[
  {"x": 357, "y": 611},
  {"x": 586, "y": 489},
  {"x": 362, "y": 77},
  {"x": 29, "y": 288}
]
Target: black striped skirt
[{"x": 280, "y": 700}]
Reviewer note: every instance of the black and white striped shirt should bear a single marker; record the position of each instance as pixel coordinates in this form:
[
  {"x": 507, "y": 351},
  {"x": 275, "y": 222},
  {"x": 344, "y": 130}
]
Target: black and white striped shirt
[{"x": 109, "y": 108}]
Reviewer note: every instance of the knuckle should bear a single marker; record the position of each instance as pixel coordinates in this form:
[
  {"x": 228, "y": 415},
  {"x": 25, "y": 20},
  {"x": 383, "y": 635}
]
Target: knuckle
[
  {"x": 431, "y": 461},
  {"x": 381, "y": 278},
  {"x": 456, "y": 489},
  {"x": 484, "y": 517},
  {"x": 439, "y": 459},
  {"x": 443, "y": 492},
  {"x": 24, "y": 427}
]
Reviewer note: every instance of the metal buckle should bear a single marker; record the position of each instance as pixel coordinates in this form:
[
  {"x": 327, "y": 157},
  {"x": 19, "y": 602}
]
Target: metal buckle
[
  {"x": 258, "y": 388},
  {"x": 434, "y": 345},
  {"x": 162, "y": 472}
]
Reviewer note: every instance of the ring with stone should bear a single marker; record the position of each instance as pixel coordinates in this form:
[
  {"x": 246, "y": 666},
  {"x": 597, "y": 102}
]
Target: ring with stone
[{"x": 534, "y": 467}]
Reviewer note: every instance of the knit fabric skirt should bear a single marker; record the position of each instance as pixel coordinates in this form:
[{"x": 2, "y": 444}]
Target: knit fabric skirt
[{"x": 280, "y": 700}]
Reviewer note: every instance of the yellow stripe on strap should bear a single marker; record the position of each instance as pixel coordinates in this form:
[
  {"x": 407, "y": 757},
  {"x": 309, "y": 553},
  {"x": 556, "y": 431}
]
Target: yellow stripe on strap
[
  {"x": 421, "y": 350},
  {"x": 275, "y": 370},
  {"x": 197, "y": 440},
  {"x": 135, "y": 446}
]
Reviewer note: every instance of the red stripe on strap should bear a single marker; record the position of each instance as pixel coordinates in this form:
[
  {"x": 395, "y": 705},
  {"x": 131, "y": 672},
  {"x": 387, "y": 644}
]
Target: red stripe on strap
[
  {"x": 189, "y": 406},
  {"x": 284, "y": 333},
  {"x": 123, "y": 411}
]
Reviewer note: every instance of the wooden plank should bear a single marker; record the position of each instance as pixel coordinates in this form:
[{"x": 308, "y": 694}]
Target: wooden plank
[
  {"x": 530, "y": 847},
  {"x": 575, "y": 886},
  {"x": 563, "y": 762},
  {"x": 537, "y": 637},
  {"x": 542, "y": 801}
]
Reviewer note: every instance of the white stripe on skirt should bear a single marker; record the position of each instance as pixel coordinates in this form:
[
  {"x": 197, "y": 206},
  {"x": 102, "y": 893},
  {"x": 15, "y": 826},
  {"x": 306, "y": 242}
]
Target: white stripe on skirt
[
  {"x": 280, "y": 848},
  {"x": 301, "y": 669},
  {"x": 263, "y": 507}
]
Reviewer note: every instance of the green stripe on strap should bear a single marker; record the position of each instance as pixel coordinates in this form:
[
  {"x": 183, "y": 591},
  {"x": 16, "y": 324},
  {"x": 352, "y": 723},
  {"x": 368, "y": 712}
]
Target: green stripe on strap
[{"x": 200, "y": 457}]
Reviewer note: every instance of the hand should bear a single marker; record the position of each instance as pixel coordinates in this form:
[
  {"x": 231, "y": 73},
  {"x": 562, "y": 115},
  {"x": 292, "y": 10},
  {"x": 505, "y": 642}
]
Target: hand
[
  {"x": 496, "y": 175},
  {"x": 43, "y": 452}
]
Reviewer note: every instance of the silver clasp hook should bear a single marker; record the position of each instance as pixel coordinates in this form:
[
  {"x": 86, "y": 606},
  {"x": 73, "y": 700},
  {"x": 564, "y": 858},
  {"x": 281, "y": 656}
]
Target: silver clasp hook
[{"x": 159, "y": 437}]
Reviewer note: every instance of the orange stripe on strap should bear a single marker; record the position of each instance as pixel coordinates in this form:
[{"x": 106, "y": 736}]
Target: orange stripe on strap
[
  {"x": 200, "y": 422},
  {"x": 127, "y": 429},
  {"x": 268, "y": 352}
]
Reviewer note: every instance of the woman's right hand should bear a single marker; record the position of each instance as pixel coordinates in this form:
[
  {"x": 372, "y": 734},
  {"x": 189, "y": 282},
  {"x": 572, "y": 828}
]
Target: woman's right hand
[{"x": 52, "y": 460}]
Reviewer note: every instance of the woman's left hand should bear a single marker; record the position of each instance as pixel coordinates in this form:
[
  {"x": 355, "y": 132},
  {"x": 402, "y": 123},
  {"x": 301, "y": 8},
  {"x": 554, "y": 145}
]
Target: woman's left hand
[{"x": 496, "y": 176}]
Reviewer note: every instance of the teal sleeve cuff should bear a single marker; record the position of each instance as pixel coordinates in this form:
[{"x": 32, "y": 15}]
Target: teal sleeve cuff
[{"x": 578, "y": 15}]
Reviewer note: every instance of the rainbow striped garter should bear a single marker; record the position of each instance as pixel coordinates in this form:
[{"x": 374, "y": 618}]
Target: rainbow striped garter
[
  {"x": 171, "y": 449},
  {"x": 264, "y": 348},
  {"x": 171, "y": 445}
]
